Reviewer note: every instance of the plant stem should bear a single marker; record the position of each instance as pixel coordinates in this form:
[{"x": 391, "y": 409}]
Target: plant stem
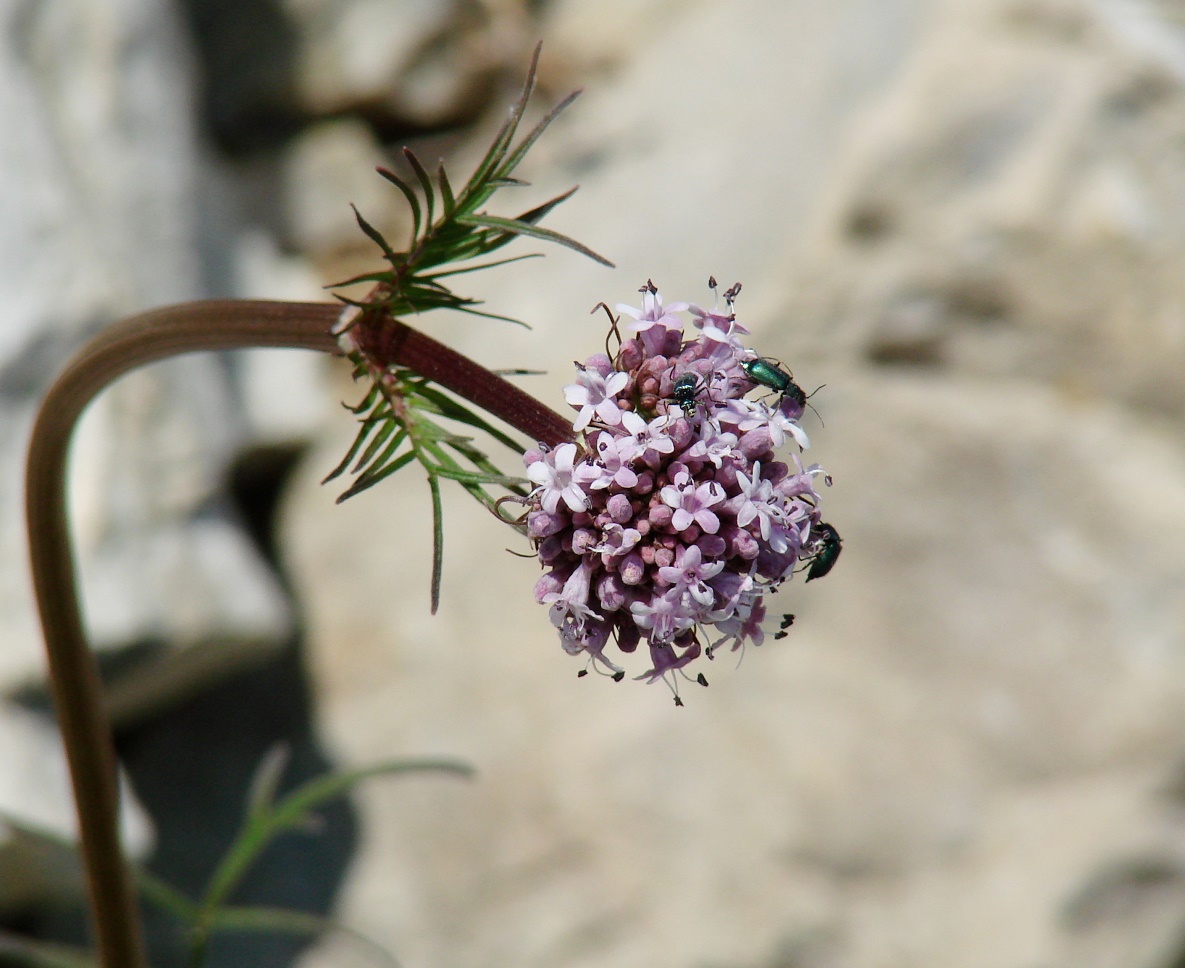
[
  {"x": 74, "y": 678},
  {"x": 387, "y": 342}
]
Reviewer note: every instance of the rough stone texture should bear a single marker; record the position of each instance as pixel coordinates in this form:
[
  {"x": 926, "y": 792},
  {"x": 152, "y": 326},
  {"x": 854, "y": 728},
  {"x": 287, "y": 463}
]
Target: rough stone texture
[
  {"x": 108, "y": 208},
  {"x": 106, "y": 217},
  {"x": 1034, "y": 224},
  {"x": 35, "y": 792},
  {"x": 414, "y": 62},
  {"x": 329, "y": 165},
  {"x": 962, "y": 216}
]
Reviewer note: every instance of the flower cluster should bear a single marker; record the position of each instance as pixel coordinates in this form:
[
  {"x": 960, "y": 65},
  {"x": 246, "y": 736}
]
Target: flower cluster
[{"x": 671, "y": 519}]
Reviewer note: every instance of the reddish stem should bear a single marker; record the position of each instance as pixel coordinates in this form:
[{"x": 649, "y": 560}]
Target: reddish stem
[
  {"x": 386, "y": 342},
  {"x": 74, "y": 677}
]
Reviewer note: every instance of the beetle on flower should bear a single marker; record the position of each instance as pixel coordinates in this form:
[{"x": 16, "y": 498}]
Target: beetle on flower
[{"x": 672, "y": 518}]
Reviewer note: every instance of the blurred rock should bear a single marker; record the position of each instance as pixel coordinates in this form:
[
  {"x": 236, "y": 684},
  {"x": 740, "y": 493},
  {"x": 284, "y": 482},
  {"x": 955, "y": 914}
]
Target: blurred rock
[
  {"x": 964, "y": 754},
  {"x": 35, "y": 797},
  {"x": 328, "y": 168},
  {"x": 1017, "y": 180},
  {"x": 963, "y": 216},
  {"x": 418, "y": 63},
  {"x": 107, "y": 213},
  {"x": 975, "y": 714},
  {"x": 351, "y": 53}
]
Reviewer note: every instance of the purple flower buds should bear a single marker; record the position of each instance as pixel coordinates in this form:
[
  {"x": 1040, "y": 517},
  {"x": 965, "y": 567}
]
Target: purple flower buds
[{"x": 672, "y": 519}]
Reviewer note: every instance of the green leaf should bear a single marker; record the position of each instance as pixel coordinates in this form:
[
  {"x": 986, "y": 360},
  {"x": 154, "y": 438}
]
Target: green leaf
[
  {"x": 386, "y": 427},
  {"x": 502, "y": 140},
  {"x": 520, "y": 152},
  {"x": 484, "y": 265},
  {"x": 533, "y": 216},
  {"x": 166, "y": 897},
  {"x": 380, "y": 412},
  {"x": 363, "y": 433},
  {"x": 476, "y": 477},
  {"x": 369, "y": 480},
  {"x": 284, "y": 921},
  {"x": 425, "y": 181},
  {"x": 448, "y": 407},
  {"x": 412, "y": 201},
  {"x": 292, "y": 810},
  {"x": 448, "y": 202},
  {"x": 498, "y": 316},
  {"x": 437, "y": 542},
  {"x": 21, "y": 952},
  {"x": 515, "y": 227},
  {"x": 266, "y": 781},
  {"x": 374, "y": 235},
  {"x": 376, "y": 277}
]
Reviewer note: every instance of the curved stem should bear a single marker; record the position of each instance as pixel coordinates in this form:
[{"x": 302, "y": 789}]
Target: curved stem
[
  {"x": 404, "y": 346},
  {"x": 74, "y": 677}
]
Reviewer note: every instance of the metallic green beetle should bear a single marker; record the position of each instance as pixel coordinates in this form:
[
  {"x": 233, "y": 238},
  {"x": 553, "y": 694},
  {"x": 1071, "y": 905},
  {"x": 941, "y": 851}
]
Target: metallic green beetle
[
  {"x": 685, "y": 390},
  {"x": 830, "y": 545},
  {"x": 767, "y": 373}
]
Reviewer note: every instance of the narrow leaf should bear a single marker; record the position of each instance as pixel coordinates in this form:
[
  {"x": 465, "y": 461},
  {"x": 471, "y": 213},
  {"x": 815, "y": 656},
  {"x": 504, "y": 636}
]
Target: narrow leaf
[
  {"x": 502, "y": 140},
  {"x": 507, "y": 182},
  {"x": 368, "y": 424},
  {"x": 425, "y": 183},
  {"x": 516, "y": 227},
  {"x": 367, "y": 402},
  {"x": 291, "y": 810},
  {"x": 448, "y": 407},
  {"x": 163, "y": 895},
  {"x": 483, "y": 265},
  {"x": 374, "y": 235},
  {"x": 520, "y": 152},
  {"x": 266, "y": 781},
  {"x": 364, "y": 277},
  {"x": 340, "y": 469},
  {"x": 437, "y": 542},
  {"x": 476, "y": 477},
  {"x": 385, "y": 429},
  {"x": 535, "y": 215},
  {"x": 285, "y": 921},
  {"x": 447, "y": 201},
  {"x": 370, "y": 480},
  {"x": 498, "y": 316},
  {"x": 412, "y": 201}
]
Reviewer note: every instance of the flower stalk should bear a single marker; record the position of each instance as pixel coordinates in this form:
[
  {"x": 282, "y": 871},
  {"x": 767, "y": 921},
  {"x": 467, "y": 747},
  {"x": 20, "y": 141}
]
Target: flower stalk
[
  {"x": 74, "y": 677},
  {"x": 404, "y": 367}
]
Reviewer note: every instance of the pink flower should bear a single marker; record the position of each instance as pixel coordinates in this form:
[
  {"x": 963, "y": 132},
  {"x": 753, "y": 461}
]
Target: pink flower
[
  {"x": 556, "y": 477},
  {"x": 595, "y": 395},
  {"x": 692, "y": 503},
  {"x": 672, "y": 518}
]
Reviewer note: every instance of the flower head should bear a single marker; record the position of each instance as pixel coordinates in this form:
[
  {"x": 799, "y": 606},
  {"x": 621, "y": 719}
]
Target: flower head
[{"x": 673, "y": 517}]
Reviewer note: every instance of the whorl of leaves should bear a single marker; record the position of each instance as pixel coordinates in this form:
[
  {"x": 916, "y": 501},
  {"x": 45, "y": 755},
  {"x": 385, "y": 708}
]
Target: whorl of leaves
[{"x": 449, "y": 232}]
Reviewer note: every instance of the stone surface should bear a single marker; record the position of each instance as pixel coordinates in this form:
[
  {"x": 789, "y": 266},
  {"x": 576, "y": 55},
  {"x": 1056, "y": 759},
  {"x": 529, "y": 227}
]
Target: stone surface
[
  {"x": 975, "y": 717},
  {"x": 418, "y": 63},
  {"x": 35, "y": 800},
  {"x": 107, "y": 211},
  {"x": 963, "y": 216},
  {"x": 968, "y": 751},
  {"x": 329, "y": 167},
  {"x": 1033, "y": 223},
  {"x": 107, "y": 180}
]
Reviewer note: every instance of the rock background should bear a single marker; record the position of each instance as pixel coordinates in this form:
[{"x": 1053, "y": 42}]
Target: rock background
[{"x": 963, "y": 216}]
